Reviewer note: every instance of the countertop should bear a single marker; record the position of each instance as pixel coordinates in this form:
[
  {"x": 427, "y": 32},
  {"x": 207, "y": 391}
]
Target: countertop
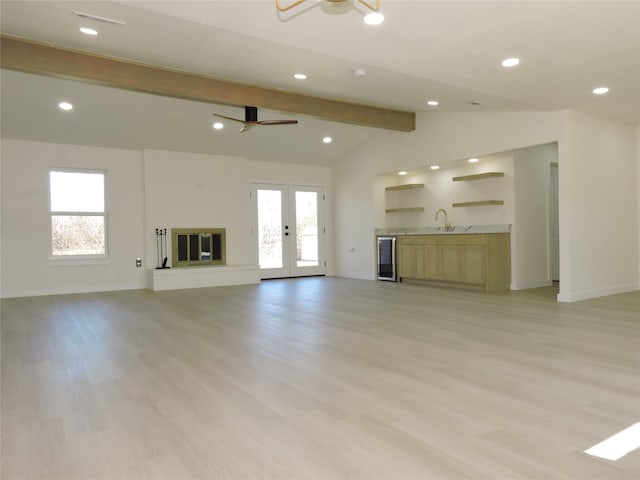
[{"x": 455, "y": 230}]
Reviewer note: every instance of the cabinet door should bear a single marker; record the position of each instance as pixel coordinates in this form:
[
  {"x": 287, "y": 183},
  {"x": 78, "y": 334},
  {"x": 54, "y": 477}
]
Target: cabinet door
[
  {"x": 407, "y": 261},
  {"x": 450, "y": 263},
  {"x": 429, "y": 266},
  {"x": 474, "y": 263}
]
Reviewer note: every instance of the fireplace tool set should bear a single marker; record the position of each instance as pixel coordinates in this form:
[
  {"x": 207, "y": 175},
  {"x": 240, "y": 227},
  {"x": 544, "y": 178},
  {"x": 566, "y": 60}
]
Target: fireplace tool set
[{"x": 161, "y": 248}]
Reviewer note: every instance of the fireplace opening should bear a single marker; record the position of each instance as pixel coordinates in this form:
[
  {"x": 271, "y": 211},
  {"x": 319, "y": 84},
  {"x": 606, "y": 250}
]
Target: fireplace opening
[{"x": 198, "y": 246}]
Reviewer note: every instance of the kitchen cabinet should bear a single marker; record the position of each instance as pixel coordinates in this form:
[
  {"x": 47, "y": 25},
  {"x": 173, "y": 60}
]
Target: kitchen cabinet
[{"x": 479, "y": 261}]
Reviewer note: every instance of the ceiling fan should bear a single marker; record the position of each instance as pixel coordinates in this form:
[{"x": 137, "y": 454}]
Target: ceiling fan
[{"x": 251, "y": 119}]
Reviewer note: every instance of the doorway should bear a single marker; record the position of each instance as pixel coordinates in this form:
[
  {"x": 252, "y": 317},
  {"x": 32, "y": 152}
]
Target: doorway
[{"x": 289, "y": 231}]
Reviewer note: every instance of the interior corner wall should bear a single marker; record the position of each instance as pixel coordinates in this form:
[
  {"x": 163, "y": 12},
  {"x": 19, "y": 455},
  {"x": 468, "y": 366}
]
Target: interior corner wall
[
  {"x": 598, "y": 190},
  {"x": 26, "y": 269},
  {"x": 438, "y": 138},
  {"x": 186, "y": 190},
  {"x": 530, "y": 259}
]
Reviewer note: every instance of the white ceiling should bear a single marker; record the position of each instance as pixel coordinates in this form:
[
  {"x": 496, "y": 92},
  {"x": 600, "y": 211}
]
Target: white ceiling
[{"x": 445, "y": 50}]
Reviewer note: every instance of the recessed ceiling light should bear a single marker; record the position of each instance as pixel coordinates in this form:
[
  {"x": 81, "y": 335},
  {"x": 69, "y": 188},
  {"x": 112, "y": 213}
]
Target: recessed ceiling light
[
  {"x": 359, "y": 72},
  {"x": 433, "y": 103},
  {"x": 473, "y": 160},
  {"x": 300, "y": 76},
  {"x": 88, "y": 31},
  {"x": 402, "y": 172},
  {"x": 65, "y": 106},
  {"x": 600, "y": 90},
  {"x": 327, "y": 140},
  {"x": 434, "y": 167},
  {"x": 374, "y": 18},
  {"x": 218, "y": 125},
  {"x": 510, "y": 62}
]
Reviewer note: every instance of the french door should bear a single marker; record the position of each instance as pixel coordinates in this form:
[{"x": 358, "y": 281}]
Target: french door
[{"x": 289, "y": 232}]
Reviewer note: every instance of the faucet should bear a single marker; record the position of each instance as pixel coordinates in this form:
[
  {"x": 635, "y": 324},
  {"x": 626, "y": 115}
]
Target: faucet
[{"x": 447, "y": 225}]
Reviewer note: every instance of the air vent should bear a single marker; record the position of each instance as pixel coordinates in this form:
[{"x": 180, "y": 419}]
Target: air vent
[{"x": 88, "y": 16}]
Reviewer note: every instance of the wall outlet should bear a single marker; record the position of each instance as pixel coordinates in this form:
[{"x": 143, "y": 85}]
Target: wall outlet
[{"x": 138, "y": 262}]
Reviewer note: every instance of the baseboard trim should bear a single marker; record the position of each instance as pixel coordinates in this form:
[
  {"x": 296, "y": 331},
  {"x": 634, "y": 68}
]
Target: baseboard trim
[
  {"x": 587, "y": 294},
  {"x": 528, "y": 285},
  {"x": 69, "y": 291},
  {"x": 357, "y": 276}
]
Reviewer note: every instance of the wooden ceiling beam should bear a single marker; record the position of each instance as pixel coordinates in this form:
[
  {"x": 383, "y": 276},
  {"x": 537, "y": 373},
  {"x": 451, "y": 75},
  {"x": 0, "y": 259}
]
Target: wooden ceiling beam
[{"x": 43, "y": 59}]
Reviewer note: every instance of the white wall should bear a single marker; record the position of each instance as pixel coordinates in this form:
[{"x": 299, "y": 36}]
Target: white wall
[
  {"x": 599, "y": 224},
  {"x": 598, "y": 207},
  {"x": 441, "y": 192},
  {"x": 184, "y": 190},
  {"x": 26, "y": 269},
  {"x": 531, "y": 261},
  {"x": 145, "y": 190},
  {"x": 439, "y": 138}
]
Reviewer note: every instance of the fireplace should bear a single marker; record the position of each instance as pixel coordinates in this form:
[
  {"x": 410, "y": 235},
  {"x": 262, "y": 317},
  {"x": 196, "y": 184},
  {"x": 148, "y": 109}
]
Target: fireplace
[{"x": 198, "y": 247}]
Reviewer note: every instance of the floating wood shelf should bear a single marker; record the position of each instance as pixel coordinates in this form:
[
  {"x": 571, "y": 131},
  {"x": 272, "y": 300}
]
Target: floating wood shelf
[
  {"x": 406, "y": 209},
  {"x": 478, "y": 176},
  {"x": 408, "y": 186},
  {"x": 480, "y": 203}
]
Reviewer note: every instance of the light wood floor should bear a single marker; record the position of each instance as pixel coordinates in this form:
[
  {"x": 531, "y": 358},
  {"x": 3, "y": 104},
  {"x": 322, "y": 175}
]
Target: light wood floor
[{"x": 318, "y": 378}]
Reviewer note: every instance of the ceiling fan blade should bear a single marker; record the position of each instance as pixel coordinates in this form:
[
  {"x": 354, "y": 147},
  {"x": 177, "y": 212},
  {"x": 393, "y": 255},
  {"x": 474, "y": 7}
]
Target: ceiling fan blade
[
  {"x": 277, "y": 122},
  {"x": 229, "y": 118}
]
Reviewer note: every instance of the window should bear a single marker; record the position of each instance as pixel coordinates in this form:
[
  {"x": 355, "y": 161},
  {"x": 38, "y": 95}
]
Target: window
[{"x": 78, "y": 217}]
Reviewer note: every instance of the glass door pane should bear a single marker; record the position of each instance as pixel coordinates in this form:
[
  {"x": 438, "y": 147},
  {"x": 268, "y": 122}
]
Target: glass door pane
[
  {"x": 270, "y": 251},
  {"x": 306, "y": 229}
]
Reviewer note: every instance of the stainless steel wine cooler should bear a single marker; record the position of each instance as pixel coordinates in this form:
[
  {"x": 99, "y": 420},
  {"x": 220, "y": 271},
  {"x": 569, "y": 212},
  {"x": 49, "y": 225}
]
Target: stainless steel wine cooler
[{"x": 387, "y": 259}]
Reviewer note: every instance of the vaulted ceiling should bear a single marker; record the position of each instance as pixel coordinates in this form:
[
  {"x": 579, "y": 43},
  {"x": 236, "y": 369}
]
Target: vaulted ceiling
[{"x": 449, "y": 51}]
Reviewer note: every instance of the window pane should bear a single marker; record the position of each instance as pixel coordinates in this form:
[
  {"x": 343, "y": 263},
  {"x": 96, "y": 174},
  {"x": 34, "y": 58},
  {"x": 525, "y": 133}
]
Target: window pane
[
  {"x": 306, "y": 229},
  {"x": 78, "y": 235},
  {"x": 270, "y": 229},
  {"x": 76, "y": 191}
]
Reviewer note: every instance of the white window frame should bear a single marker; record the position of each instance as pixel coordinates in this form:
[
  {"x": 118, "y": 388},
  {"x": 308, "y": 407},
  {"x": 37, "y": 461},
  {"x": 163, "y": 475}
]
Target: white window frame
[{"x": 88, "y": 259}]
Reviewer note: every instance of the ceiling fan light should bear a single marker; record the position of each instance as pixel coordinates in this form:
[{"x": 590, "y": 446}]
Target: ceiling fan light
[{"x": 374, "y": 18}]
